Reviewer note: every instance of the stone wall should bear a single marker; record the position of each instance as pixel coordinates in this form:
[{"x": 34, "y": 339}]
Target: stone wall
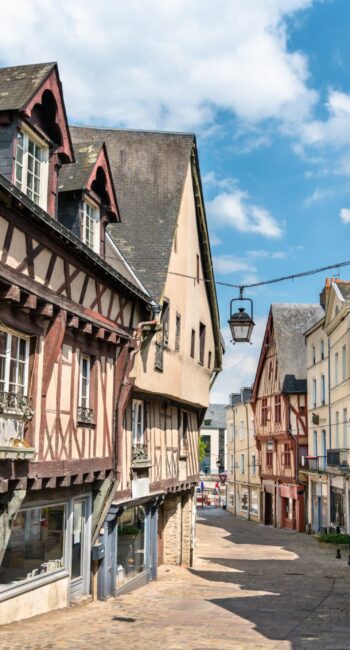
[{"x": 177, "y": 529}]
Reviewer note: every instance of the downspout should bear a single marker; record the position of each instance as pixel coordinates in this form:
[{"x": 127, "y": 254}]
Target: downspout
[{"x": 234, "y": 457}]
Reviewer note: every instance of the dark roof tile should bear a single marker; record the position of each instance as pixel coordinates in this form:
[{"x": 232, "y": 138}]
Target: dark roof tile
[{"x": 19, "y": 83}]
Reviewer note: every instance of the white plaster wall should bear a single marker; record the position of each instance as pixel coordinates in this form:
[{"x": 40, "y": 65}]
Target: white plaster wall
[{"x": 37, "y": 601}]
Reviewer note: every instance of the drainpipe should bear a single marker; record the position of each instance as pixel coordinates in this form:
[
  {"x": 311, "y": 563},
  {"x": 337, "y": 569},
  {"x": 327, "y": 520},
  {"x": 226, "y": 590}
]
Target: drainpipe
[{"x": 234, "y": 457}]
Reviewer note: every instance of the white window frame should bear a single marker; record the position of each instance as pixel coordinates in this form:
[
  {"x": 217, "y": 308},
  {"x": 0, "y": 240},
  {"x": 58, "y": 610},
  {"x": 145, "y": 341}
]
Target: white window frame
[
  {"x": 7, "y": 356},
  {"x": 241, "y": 429},
  {"x": 84, "y": 357},
  {"x": 22, "y": 183},
  {"x": 336, "y": 369},
  {"x": 242, "y": 464},
  {"x": 314, "y": 393},
  {"x": 344, "y": 363},
  {"x": 137, "y": 409},
  {"x": 87, "y": 206}
]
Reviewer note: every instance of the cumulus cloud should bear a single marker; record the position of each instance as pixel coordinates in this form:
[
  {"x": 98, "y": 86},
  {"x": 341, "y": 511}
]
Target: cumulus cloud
[
  {"x": 335, "y": 129},
  {"x": 170, "y": 64},
  {"x": 239, "y": 364},
  {"x": 345, "y": 215},
  {"x": 234, "y": 209}
]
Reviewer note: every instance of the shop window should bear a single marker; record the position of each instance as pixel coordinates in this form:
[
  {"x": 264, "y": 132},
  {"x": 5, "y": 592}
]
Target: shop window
[
  {"x": 244, "y": 500},
  {"x": 254, "y": 502},
  {"x": 31, "y": 167},
  {"x": 36, "y": 545},
  {"x": 337, "y": 507},
  {"x": 131, "y": 545}
]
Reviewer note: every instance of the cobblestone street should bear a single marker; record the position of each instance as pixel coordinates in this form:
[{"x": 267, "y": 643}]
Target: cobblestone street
[{"x": 251, "y": 587}]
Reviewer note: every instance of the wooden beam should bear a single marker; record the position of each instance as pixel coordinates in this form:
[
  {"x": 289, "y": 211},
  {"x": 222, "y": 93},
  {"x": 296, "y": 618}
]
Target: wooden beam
[
  {"x": 4, "y": 485},
  {"x": 37, "y": 484},
  {"x": 89, "y": 478},
  {"x": 50, "y": 482},
  {"x": 111, "y": 337},
  {"x": 11, "y": 293},
  {"x": 100, "y": 333},
  {"x": 30, "y": 301},
  {"x": 86, "y": 328},
  {"x": 78, "y": 479},
  {"x": 46, "y": 309},
  {"x": 73, "y": 321},
  {"x": 64, "y": 481}
]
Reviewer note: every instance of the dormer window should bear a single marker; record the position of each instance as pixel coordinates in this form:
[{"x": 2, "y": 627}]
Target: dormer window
[
  {"x": 31, "y": 167},
  {"x": 91, "y": 226}
]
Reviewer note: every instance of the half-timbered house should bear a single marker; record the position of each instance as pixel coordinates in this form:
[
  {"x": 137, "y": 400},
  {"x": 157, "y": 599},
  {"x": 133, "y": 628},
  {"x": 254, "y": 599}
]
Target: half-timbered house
[
  {"x": 280, "y": 412},
  {"x": 69, "y": 309},
  {"x": 164, "y": 236}
]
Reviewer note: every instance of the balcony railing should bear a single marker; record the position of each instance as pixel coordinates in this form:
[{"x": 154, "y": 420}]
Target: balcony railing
[
  {"x": 86, "y": 416},
  {"x": 339, "y": 458},
  {"x": 315, "y": 463},
  {"x": 16, "y": 404}
]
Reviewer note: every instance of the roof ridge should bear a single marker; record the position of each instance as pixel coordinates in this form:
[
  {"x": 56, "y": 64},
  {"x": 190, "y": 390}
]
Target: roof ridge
[{"x": 188, "y": 134}]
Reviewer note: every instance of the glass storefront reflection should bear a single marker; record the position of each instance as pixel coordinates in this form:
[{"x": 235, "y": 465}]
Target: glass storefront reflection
[{"x": 130, "y": 545}]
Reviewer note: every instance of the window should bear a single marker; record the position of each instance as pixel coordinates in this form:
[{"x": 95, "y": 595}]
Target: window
[
  {"x": 270, "y": 369},
  {"x": 36, "y": 545},
  {"x": 254, "y": 502},
  {"x": 132, "y": 535},
  {"x": 269, "y": 458},
  {"x": 193, "y": 343},
  {"x": 336, "y": 369},
  {"x": 337, "y": 430},
  {"x": 314, "y": 393},
  {"x": 242, "y": 464},
  {"x": 177, "y": 332},
  {"x": 277, "y": 408},
  {"x": 322, "y": 349},
  {"x": 313, "y": 354},
  {"x": 209, "y": 359},
  {"x": 286, "y": 455},
  {"x": 253, "y": 465},
  {"x": 165, "y": 322},
  {"x": 202, "y": 331},
  {"x": 345, "y": 428},
  {"x": 84, "y": 383},
  {"x": 137, "y": 422},
  {"x": 183, "y": 432},
  {"x": 343, "y": 362},
  {"x": 197, "y": 268},
  {"x": 31, "y": 173},
  {"x": 91, "y": 226},
  {"x": 264, "y": 412},
  {"x": 315, "y": 451},
  {"x": 14, "y": 353},
  {"x": 244, "y": 499},
  {"x": 323, "y": 390}
]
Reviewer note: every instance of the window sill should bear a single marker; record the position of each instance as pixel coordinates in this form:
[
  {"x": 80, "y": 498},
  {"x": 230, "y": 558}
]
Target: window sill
[
  {"x": 141, "y": 464},
  {"x": 32, "y": 583},
  {"x": 8, "y": 452}
]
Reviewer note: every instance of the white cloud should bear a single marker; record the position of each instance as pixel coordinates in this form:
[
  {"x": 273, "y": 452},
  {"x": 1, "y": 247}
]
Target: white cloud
[
  {"x": 226, "y": 264},
  {"x": 345, "y": 215},
  {"x": 319, "y": 195},
  {"x": 239, "y": 364},
  {"x": 234, "y": 209},
  {"x": 263, "y": 254},
  {"x": 335, "y": 129},
  {"x": 170, "y": 64}
]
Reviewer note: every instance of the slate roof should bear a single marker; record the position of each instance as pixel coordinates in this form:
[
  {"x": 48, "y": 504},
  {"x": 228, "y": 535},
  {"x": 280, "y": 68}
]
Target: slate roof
[
  {"x": 217, "y": 414},
  {"x": 76, "y": 175},
  {"x": 344, "y": 288},
  {"x": 290, "y": 321},
  {"x": 149, "y": 171},
  {"x": 19, "y": 83}
]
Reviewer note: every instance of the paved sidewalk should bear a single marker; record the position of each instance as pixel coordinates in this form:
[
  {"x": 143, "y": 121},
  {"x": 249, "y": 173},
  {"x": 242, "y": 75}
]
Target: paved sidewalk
[{"x": 251, "y": 587}]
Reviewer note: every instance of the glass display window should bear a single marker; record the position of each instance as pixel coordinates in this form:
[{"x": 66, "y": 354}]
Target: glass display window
[{"x": 131, "y": 544}]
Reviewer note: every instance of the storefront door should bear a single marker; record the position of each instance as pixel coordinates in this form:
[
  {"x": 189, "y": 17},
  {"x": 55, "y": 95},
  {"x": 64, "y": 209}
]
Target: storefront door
[
  {"x": 80, "y": 553},
  {"x": 288, "y": 513},
  {"x": 268, "y": 509}
]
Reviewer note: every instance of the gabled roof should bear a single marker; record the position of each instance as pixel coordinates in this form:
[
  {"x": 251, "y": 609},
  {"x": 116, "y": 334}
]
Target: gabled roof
[
  {"x": 289, "y": 322},
  {"x": 18, "y": 84},
  {"x": 81, "y": 174},
  {"x": 216, "y": 414},
  {"x": 149, "y": 171}
]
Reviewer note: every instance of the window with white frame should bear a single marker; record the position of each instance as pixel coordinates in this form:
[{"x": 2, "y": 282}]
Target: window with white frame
[
  {"x": 242, "y": 464},
  {"x": 314, "y": 393},
  {"x": 183, "y": 432},
  {"x": 84, "y": 382},
  {"x": 337, "y": 429},
  {"x": 323, "y": 390},
  {"x": 137, "y": 422},
  {"x": 253, "y": 464},
  {"x": 31, "y": 167},
  {"x": 343, "y": 360},
  {"x": 336, "y": 369},
  {"x": 90, "y": 226},
  {"x": 14, "y": 359},
  {"x": 241, "y": 429}
]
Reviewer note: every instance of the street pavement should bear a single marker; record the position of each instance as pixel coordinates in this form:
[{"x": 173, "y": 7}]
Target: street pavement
[{"x": 251, "y": 587}]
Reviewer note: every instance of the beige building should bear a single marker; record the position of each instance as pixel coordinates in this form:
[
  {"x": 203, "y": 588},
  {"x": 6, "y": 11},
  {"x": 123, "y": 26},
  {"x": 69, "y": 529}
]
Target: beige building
[
  {"x": 243, "y": 480},
  {"x": 328, "y": 375}
]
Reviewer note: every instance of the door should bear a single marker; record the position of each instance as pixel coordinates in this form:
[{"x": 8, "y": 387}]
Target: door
[
  {"x": 268, "y": 509},
  {"x": 80, "y": 548}
]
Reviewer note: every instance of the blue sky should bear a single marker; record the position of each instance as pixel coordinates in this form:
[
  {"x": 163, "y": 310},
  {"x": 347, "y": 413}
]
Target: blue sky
[{"x": 264, "y": 84}]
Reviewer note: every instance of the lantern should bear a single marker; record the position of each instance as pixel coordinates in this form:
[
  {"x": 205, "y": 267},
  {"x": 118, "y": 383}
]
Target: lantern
[{"x": 241, "y": 323}]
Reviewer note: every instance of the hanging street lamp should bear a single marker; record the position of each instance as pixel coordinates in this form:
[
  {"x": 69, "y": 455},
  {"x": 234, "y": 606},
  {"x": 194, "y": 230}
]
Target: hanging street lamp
[{"x": 241, "y": 323}]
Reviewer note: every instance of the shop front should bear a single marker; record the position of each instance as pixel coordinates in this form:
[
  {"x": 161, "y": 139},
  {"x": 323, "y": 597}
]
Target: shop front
[
  {"x": 130, "y": 540},
  {"x": 292, "y": 507},
  {"x": 318, "y": 506},
  {"x": 48, "y": 552}
]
